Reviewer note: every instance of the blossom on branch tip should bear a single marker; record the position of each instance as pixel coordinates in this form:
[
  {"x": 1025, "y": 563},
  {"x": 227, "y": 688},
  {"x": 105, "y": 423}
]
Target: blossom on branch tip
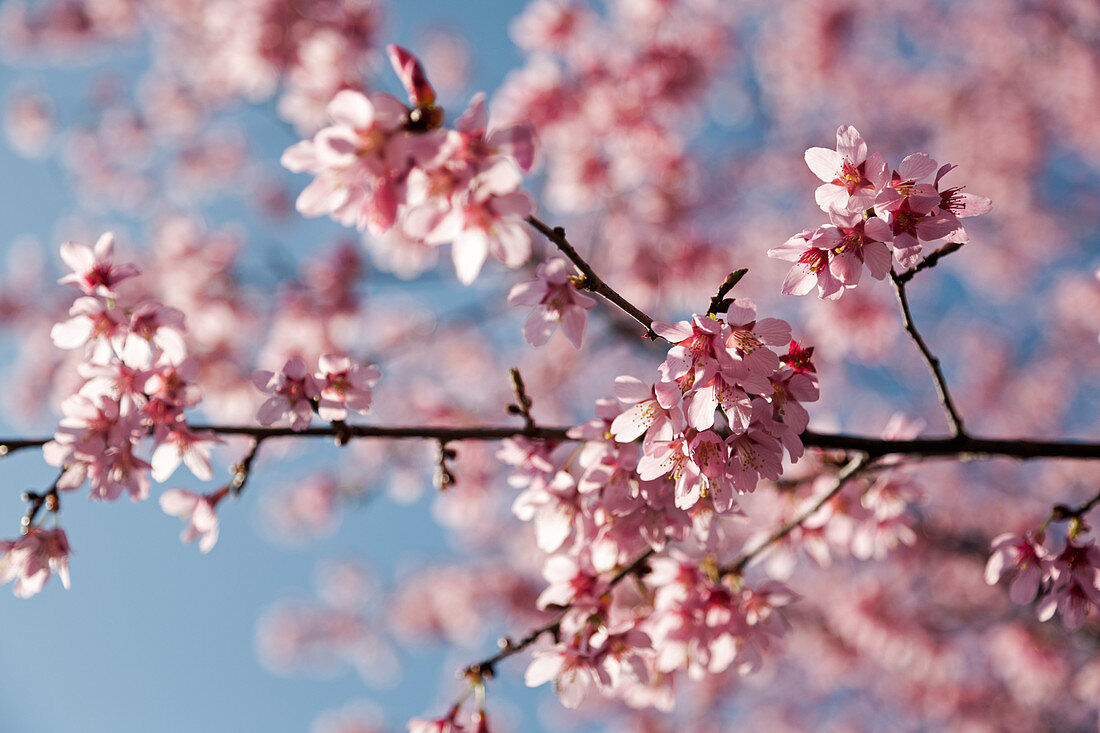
[
  {"x": 344, "y": 386},
  {"x": 852, "y": 178},
  {"x": 1021, "y": 557},
  {"x": 1075, "y": 584},
  {"x": 32, "y": 558},
  {"x": 198, "y": 511},
  {"x": 94, "y": 271},
  {"x": 556, "y": 300},
  {"x": 293, "y": 391}
]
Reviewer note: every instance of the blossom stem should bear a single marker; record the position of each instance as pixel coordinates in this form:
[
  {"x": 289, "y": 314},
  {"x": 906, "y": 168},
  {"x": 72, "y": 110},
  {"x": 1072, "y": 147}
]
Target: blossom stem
[
  {"x": 592, "y": 281},
  {"x": 930, "y": 260},
  {"x": 50, "y": 500},
  {"x": 486, "y": 668},
  {"x": 718, "y": 303},
  {"x": 851, "y": 469},
  {"x": 522, "y": 405},
  {"x": 243, "y": 468},
  {"x": 930, "y": 359}
]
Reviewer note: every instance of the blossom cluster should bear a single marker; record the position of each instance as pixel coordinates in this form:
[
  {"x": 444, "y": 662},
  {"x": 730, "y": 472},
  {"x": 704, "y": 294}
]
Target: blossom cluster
[
  {"x": 876, "y": 216},
  {"x": 720, "y": 373},
  {"x": 137, "y": 382},
  {"x": 607, "y": 87},
  {"x": 32, "y": 558},
  {"x": 1064, "y": 580},
  {"x": 395, "y": 170},
  {"x": 658, "y": 465},
  {"x": 338, "y": 385}
]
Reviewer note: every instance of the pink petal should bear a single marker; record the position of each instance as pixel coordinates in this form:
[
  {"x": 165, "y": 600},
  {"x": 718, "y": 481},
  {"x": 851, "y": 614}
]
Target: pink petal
[
  {"x": 916, "y": 166},
  {"x": 824, "y": 163}
]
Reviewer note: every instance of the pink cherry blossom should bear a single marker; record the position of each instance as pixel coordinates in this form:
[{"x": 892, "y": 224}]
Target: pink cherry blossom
[
  {"x": 1020, "y": 557},
  {"x": 293, "y": 391},
  {"x": 198, "y": 511},
  {"x": 852, "y": 178},
  {"x": 1075, "y": 584},
  {"x": 344, "y": 386},
  {"x": 556, "y": 300},
  {"x": 94, "y": 270},
  {"x": 32, "y": 558},
  {"x": 412, "y": 76},
  {"x": 438, "y": 725}
]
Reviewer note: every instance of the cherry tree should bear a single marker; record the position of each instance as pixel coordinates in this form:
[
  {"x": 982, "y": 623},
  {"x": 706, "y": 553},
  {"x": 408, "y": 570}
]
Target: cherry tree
[{"x": 801, "y": 431}]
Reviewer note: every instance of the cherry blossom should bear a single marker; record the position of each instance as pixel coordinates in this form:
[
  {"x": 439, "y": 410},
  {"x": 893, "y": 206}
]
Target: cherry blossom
[
  {"x": 31, "y": 559},
  {"x": 94, "y": 270},
  {"x": 556, "y": 300},
  {"x": 198, "y": 511},
  {"x": 852, "y": 177},
  {"x": 344, "y": 386},
  {"x": 293, "y": 391}
]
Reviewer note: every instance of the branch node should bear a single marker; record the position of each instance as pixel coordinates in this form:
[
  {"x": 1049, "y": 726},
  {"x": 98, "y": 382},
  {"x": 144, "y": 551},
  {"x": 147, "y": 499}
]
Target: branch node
[
  {"x": 720, "y": 302},
  {"x": 522, "y": 405},
  {"x": 343, "y": 432},
  {"x": 444, "y": 477}
]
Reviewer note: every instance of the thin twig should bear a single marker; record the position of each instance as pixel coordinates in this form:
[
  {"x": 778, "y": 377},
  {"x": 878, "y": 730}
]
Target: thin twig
[
  {"x": 50, "y": 500},
  {"x": 522, "y": 405},
  {"x": 929, "y": 358},
  {"x": 719, "y": 303},
  {"x": 1063, "y": 512},
  {"x": 243, "y": 468},
  {"x": 487, "y": 667},
  {"x": 857, "y": 464},
  {"x": 592, "y": 281},
  {"x": 930, "y": 260}
]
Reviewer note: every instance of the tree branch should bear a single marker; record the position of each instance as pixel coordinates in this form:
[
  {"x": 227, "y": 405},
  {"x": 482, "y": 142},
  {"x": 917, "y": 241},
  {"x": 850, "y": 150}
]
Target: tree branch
[
  {"x": 959, "y": 446},
  {"x": 487, "y": 667},
  {"x": 522, "y": 405},
  {"x": 930, "y": 359},
  {"x": 592, "y": 281},
  {"x": 857, "y": 464},
  {"x": 930, "y": 260}
]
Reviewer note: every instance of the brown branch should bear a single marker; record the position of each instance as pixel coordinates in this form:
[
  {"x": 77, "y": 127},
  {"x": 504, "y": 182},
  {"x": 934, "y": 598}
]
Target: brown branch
[
  {"x": 522, "y": 405},
  {"x": 1063, "y": 512},
  {"x": 486, "y": 668},
  {"x": 592, "y": 281},
  {"x": 959, "y": 446},
  {"x": 50, "y": 500},
  {"x": 857, "y": 464},
  {"x": 929, "y": 359},
  {"x": 930, "y": 260},
  {"x": 719, "y": 303},
  {"x": 243, "y": 468}
]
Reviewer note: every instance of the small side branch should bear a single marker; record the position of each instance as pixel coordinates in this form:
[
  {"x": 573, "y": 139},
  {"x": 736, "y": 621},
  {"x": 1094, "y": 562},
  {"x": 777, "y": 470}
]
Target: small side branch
[
  {"x": 719, "y": 303},
  {"x": 850, "y": 470},
  {"x": 930, "y": 260},
  {"x": 36, "y": 502},
  {"x": 486, "y": 668},
  {"x": 243, "y": 468},
  {"x": 522, "y": 405},
  {"x": 592, "y": 281},
  {"x": 929, "y": 358}
]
